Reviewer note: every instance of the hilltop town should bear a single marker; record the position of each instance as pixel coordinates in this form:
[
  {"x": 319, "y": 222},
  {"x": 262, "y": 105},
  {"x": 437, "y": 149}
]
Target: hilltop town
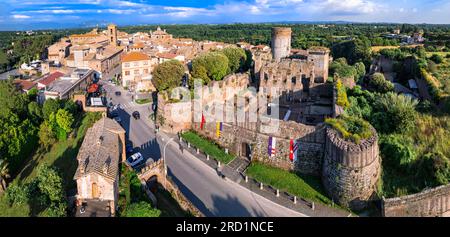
[{"x": 337, "y": 129}]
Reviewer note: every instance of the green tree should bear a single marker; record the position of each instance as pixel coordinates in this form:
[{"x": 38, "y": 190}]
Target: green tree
[
  {"x": 142, "y": 209},
  {"x": 32, "y": 94},
  {"x": 46, "y": 134},
  {"x": 199, "y": 73},
  {"x": 378, "y": 83},
  {"x": 398, "y": 151},
  {"x": 215, "y": 64},
  {"x": 35, "y": 111},
  {"x": 236, "y": 58},
  {"x": 50, "y": 183},
  {"x": 11, "y": 100},
  {"x": 360, "y": 70},
  {"x": 394, "y": 113},
  {"x": 437, "y": 58},
  {"x": 64, "y": 120},
  {"x": 17, "y": 194},
  {"x": 71, "y": 107},
  {"x": 50, "y": 106},
  {"x": 168, "y": 75}
]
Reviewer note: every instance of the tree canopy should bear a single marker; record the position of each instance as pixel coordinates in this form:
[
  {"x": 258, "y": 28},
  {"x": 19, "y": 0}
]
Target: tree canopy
[
  {"x": 168, "y": 75},
  {"x": 237, "y": 58},
  {"x": 210, "y": 66},
  {"x": 378, "y": 82}
]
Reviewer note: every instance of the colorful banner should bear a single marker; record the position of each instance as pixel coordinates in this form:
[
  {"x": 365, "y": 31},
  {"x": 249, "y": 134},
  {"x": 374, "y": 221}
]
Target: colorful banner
[
  {"x": 202, "y": 124},
  {"x": 218, "y": 129},
  {"x": 293, "y": 148},
  {"x": 272, "y": 146}
]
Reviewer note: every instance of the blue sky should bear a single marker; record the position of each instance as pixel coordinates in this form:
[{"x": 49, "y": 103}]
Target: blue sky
[{"x": 34, "y": 14}]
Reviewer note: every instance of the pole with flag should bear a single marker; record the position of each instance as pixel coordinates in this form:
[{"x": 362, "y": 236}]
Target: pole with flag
[
  {"x": 293, "y": 149},
  {"x": 202, "y": 124},
  {"x": 272, "y": 146},
  {"x": 218, "y": 129}
]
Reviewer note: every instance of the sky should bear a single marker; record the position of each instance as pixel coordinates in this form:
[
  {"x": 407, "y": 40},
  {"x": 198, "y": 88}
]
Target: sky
[{"x": 44, "y": 14}]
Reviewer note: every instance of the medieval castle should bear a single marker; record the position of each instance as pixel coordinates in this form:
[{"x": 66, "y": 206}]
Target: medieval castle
[{"x": 349, "y": 171}]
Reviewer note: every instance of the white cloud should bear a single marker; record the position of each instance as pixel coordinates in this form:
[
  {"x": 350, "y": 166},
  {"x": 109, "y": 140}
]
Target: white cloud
[
  {"x": 347, "y": 6},
  {"x": 18, "y": 16}
]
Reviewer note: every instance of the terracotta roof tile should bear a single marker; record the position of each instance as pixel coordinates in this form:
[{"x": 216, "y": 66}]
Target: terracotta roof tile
[
  {"x": 51, "y": 78},
  {"x": 135, "y": 56}
]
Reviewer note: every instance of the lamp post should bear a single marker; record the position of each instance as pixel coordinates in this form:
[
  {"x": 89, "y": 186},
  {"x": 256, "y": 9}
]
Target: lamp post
[{"x": 164, "y": 159}]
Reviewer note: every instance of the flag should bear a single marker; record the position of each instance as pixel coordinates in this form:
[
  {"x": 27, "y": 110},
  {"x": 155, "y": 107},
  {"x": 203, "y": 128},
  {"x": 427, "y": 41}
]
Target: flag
[
  {"x": 218, "y": 129},
  {"x": 272, "y": 146},
  {"x": 293, "y": 148},
  {"x": 202, "y": 124}
]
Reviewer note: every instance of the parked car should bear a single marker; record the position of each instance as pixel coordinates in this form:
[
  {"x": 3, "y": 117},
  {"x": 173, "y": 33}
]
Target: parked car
[
  {"x": 136, "y": 115},
  {"x": 114, "y": 113},
  {"x": 118, "y": 93},
  {"x": 129, "y": 147},
  {"x": 118, "y": 119},
  {"x": 135, "y": 159}
]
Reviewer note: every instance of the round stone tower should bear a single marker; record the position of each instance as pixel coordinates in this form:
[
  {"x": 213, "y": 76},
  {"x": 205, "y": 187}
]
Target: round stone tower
[
  {"x": 350, "y": 171},
  {"x": 281, "y": 42}
]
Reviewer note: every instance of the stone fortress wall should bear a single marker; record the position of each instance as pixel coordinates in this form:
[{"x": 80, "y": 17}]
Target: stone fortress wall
[
  {"x": 319, "y": 154},
  {"x": 350, "y": 171},
  {"x": 429, "y": 203}
]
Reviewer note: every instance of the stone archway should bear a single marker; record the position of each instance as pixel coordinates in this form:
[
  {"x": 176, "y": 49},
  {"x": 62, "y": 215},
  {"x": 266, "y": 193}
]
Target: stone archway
[
  {"x": 152, "y": 183},
  {"x": 246, "y": 151}
]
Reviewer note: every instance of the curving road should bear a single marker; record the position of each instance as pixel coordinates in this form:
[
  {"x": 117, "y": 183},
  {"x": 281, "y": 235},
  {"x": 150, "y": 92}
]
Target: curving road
[{"x": 211, "y": 194}]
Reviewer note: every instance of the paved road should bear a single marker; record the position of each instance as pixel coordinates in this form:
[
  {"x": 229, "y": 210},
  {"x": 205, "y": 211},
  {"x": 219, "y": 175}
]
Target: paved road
[{"x": 211, "y": 194}]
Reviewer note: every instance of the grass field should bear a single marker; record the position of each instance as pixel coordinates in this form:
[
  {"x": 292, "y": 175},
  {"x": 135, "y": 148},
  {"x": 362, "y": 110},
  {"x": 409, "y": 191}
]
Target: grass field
[
  {"x": 208, "y": 147},
  {"x": 307, "y": 187}
]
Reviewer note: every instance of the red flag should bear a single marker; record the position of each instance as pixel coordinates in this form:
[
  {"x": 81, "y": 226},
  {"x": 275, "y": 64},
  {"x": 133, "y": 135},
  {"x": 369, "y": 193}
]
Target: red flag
[
  {"x": 291, "y": 150},
  {"x": 203, "y": 122}
]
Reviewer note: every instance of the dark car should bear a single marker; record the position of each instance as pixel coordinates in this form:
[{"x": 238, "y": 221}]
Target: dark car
[
  {"x": 129, "y": 147},
  {"x": 114, "y": 114},
  {"x": 136, "y": 115},
  {"x": 118, "y": 93}
]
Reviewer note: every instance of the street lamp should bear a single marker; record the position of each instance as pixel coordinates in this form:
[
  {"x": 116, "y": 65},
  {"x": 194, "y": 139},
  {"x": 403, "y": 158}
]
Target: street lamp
[{"x": 164, "y": 159}]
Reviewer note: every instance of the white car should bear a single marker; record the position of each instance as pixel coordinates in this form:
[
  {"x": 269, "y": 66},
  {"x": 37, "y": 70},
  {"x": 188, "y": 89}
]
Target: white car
[{"x": 135, "y": 159}]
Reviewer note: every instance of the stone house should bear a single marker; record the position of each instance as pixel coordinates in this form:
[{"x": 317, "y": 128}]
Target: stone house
[
  {"x": 136, "y": 71},
  {"x": 97, "y": 175}
]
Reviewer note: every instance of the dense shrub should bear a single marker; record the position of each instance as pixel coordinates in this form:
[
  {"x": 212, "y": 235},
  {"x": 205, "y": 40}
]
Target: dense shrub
[
  {"x": 341, "y": 94},
  {"x": 398, "y": 151},
  {"x": 437, "y": 58},
  {"x": 378, "y": 83},
  {"x": 351, "y": 129},
  {"x": 394, "y": 113}
]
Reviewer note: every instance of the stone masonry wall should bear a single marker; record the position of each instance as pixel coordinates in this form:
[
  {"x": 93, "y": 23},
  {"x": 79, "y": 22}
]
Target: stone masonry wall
[
  {"x": 429, "y": 203},
  {"x": 350, "y": 171}
]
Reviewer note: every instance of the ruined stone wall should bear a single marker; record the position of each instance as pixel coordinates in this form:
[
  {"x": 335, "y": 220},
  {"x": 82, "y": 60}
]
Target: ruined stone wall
[
  {"x": 429, "y": 203},
  {"x": 311, "y": 141},
  {"x": 350, "y": 171},
  {"x": 171, "y": 114},
  {"x": 321, "y": 60}
]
